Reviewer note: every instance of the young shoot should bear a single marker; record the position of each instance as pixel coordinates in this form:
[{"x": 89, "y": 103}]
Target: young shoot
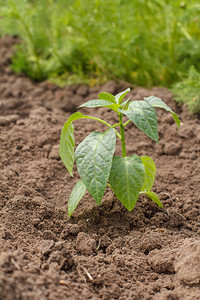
[{"x": 98, "y": 167}]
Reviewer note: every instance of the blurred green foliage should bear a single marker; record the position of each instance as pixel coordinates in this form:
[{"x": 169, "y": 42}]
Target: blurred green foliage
[
  {"x": 69, "y": 41},
  {"x": 188, "y": 91}
]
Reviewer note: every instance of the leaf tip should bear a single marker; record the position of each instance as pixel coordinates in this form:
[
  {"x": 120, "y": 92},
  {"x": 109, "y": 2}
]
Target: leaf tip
[{"x": 69, "y": 213}]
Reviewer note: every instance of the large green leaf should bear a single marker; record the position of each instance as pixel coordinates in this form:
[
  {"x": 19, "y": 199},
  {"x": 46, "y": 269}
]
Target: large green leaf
[
  {"x": 66, "y": 148},
  {"x": 94, "y": 160},
  {"x": 144, "y": 116},
  {"x": 76, "y": 195},
  {"x": 119, "y": 97},
  {"x": 154, "y": 197},
  {"x": 67, "y": 141},
  {"x": 126, "y": 178},
  {"x": 157, "y": 102},
  {"x": 107, "y": 96},
  {"x": 150, "y": 172}
]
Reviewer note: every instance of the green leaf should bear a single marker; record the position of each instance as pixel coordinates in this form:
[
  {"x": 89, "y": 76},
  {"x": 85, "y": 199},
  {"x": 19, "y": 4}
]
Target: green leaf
[
  {"x": 123, "y": 104},
  {"x": 67, "y": 141},
  {"x": 100, "y": 103},
  {"x": 97, "y": 103},
  {"x": 154, "y": 197},
  {"x": 150, "y": 172},
  {"x": 143, "y": 115},
  {"x": 157, "y": 102},
  {"x": 119, "y": 97},
  {"x": 107, "y": 96},
  {"x": 94, "y": 160},
  {"x": 126, "y": 178},
  {"x": 66, "y": 148},
  {"x": 76, "y": 195},
  {"x": 77, "y": 115}
]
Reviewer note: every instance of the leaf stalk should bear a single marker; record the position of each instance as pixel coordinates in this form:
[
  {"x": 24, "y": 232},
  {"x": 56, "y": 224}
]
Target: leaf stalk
[
  {"x": 126, "y": 123},
  {"x": 107, "y": 124},
  {"x": 123, "y": 144}
]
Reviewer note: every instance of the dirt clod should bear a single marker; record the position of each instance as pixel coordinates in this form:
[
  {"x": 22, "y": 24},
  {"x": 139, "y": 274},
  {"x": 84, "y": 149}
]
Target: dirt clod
[{"x": 84, "y": 244}]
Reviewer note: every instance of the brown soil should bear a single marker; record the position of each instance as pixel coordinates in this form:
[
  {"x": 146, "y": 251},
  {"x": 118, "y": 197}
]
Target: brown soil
[{"x": 102, "y": 252}]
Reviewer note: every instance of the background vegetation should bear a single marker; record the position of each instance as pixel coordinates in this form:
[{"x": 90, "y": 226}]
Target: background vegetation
[
  {"x": 188, "y": 91},
  {"x": 142, "y": 42}
]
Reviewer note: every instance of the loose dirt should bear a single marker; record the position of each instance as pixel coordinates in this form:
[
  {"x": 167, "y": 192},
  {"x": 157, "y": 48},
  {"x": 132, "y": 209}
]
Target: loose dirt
[{"x": 102, "y": 252}]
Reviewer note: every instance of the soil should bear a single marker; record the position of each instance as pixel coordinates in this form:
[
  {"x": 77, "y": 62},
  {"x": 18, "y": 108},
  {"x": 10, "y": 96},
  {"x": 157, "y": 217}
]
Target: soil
[{"x": 101, "y": 252}]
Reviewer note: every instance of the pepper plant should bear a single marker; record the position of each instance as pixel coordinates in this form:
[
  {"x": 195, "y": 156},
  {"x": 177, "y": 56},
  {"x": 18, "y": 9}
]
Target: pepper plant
[{"x": 98, "y": 167}]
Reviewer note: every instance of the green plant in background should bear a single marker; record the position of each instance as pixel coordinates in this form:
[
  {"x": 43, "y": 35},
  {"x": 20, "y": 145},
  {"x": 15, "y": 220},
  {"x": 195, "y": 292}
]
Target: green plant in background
[
  {"x": 98, "y": 167},
  {"x": 92, "y": 41},
  {"x": 188, "y": 91}
]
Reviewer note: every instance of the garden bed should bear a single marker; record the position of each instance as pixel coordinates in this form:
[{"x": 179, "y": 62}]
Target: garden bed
[{"x": 101, "y": 252}]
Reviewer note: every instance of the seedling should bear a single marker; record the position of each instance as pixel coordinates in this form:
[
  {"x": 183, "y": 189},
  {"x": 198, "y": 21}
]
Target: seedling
[{"x": 98, "y": 167}]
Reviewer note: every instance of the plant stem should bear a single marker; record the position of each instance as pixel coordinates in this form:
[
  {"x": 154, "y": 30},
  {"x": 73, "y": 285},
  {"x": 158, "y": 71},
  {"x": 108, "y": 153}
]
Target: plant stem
[
  {"x": 122, "y": 136},
  {"x": 117, "y": 124},
  {"x": 126, "y": 123},
  {"x": 99, "y": 120},
  {"x": 107, "y": 124}
]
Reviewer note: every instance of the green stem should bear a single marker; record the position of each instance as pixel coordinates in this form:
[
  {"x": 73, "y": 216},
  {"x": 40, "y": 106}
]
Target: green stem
[
  {"x": 122, "y": 136},
  {"x": 100, "y": 120},
  {"x": 117, "y": 124},
  {"x": 107, "y": 124},
  {"x": 126, "y": 123}
]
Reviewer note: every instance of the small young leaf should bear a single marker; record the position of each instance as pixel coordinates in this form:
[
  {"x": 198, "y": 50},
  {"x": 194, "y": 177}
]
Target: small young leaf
[
  {"x": 157, "y": 102},
  {"x": 154, "y": 197},
  {"x": 94, "y": 160},
  {"x": 150, "y": 172},
  {"x": 107, "y": 96},
  {"x": 119, "y": 97},
  {"x": 144, "y": 116},
  {"x": 66, "y": 148},
  {"x": 101, "y": 103},
  {"x": 76, "y": 195},
  {"x": 126, "y": 178},
  {"x": 96, "y": 103}
]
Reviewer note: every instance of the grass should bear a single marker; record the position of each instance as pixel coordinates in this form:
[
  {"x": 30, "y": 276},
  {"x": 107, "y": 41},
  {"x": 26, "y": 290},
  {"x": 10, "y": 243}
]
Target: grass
[{"x": 142, "y": 42}]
